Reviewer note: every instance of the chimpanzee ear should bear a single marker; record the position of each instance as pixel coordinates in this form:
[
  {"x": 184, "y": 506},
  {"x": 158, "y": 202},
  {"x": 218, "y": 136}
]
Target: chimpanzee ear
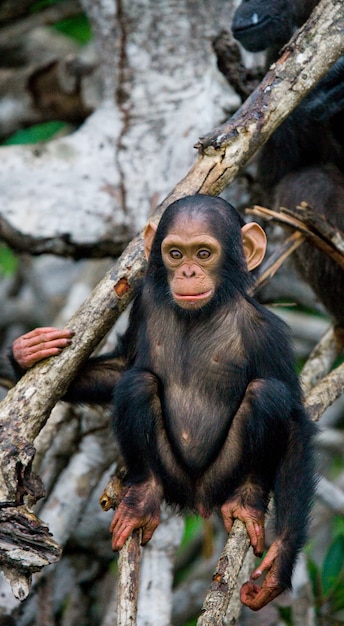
[
  {"x": 254, "y": 242},
  {"x": 148, "y": 236}
]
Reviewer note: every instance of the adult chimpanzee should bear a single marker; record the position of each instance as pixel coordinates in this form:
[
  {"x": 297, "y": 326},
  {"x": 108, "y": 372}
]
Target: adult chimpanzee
[
  {"x": 304, "y": 158},
  {"x": 208, "y": 411}
]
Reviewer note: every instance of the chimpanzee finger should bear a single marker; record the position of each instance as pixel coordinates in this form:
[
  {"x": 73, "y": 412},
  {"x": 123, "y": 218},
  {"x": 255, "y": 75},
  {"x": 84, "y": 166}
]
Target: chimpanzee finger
[{"x": 256, "y": 535}]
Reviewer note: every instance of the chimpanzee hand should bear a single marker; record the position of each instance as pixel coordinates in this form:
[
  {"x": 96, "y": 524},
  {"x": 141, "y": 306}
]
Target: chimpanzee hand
[
  {"x": 256, "y": 597},
  {"x": 39, "y": 344},
  {"x": 252, "y": 518},
  {"x": 140, "y": 508}
]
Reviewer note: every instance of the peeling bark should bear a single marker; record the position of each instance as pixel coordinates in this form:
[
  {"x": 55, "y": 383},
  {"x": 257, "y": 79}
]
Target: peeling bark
[{"x": 26, "y": 546}]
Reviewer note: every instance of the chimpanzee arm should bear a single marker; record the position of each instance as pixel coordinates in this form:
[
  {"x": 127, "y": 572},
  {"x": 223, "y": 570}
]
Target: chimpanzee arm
[
  {"x": 96, "y": 379},
  {"x": 36, "y": 345},
  {"x": 294, "y": 492},
  {"x": 95, "y": 382}
]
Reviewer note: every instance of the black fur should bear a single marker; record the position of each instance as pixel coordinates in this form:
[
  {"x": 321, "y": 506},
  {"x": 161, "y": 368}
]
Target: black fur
[{"x": 262, "y": 24}]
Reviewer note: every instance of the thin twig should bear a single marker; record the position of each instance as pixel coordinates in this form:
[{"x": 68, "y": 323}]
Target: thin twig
[
  {"x": 129, "y": 559},
  {"x": 276, "y": 259},
  {"x": 318, "y": 223},
  {"x": 128, "y": 579},
  {"x": 225, "y": 577},
  {"x": 329, "y": 240}
]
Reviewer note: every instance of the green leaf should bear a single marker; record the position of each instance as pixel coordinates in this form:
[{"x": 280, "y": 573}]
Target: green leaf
[
  {"x": 337, "y": 600},
  {"x": 333, "y": 565},
  {"x": 193, "y": 525},
  {"x": 8, "y": 261},
  {"x": 285, "y": 614},
  {"x": 43, "y": 4},
  {"x": 35, "y": 134},
  {"x": 76, "y": 27},
  {"x": 338, "y": 523}
]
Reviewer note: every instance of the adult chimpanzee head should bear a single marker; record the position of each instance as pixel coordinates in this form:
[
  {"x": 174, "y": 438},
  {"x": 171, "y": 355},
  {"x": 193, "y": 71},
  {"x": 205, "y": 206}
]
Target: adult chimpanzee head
[
  {"x": 261, "y": 24},
  {"x": 202, "y": 251}
]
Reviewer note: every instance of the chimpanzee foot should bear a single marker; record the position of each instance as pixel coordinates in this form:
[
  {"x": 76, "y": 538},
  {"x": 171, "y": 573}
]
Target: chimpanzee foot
[
  {"x": 140, "y": 508},
  {"x": 252, "y": 518},
  {"x": 256, "y": 597}
]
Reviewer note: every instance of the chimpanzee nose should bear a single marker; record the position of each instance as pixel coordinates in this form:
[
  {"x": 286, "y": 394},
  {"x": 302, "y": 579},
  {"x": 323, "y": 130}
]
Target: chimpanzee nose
[{"x": 189, "y": 272}]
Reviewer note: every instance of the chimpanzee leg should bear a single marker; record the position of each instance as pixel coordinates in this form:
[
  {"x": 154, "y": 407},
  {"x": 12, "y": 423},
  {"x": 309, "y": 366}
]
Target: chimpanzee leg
[
  {"x": 242, "y": 476},
  {"x": 294, "y": 491},
  {"x": 276, "y": 454},
  {"x": 139, "y": 429}
]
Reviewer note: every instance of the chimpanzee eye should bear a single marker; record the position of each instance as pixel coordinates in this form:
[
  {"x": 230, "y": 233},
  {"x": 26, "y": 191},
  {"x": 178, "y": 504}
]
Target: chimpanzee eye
[
  {"x": 175, "y": 254},
  {"x": 203, "y": 254}
]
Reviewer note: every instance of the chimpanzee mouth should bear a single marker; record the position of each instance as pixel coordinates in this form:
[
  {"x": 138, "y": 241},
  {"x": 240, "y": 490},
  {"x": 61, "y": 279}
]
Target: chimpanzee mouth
[{"x": 188, "y": 297}]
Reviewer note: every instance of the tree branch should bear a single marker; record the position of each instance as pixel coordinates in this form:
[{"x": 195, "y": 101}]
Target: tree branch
[{"x": 60, "y": 245}]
